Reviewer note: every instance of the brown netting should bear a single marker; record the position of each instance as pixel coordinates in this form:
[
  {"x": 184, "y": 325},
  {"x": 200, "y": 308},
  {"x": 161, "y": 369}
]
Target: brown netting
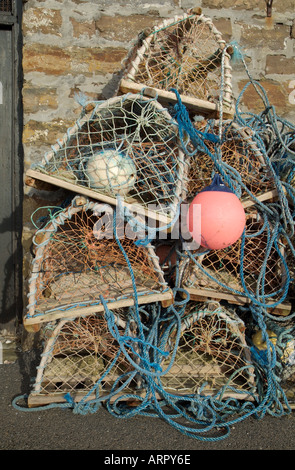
[
  {"x": 240, "y": 158},
  {"x": 80, "y": 256},
  {"x": 185, "y": 53},
  {"x": 79, "y": 355},
  {"x": 247, "y": 267},
  {"x": 212, "y": 355}
]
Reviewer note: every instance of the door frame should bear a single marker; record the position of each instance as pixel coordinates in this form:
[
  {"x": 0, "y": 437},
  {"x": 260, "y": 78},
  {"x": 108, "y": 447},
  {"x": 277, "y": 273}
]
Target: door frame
[{"x": 13, "y": 21}]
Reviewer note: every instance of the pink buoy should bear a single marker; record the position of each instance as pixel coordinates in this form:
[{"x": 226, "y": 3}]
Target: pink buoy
[{"x": 221, "y": 218}]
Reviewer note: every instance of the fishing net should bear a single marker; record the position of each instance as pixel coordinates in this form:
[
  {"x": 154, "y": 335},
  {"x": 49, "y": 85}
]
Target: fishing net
[
  {"x": 81, "y": 359},
  {"x": 212, "y": 355},
  {"x": 186, "y": 53},
  {"x": 239, "y": 158},
  {"x": 126, "y": 147},
  {"x": 86, "y": 253},
  {"x": 253, "y": 268},
  {"x": 274, "y": 135}
]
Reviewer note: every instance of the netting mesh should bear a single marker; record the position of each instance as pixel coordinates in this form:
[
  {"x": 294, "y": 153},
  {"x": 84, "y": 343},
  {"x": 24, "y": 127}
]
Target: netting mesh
[
  {"x": 212, "y": 354},
  {"x": 80, "y": 257},
  {"x": 252, "y": 267},
  {"x": 81, "y": 357},
  {"x": 126, "y": 146},
  {"x": 240, "y": 158},
  {"x": 185, "y": 53}
]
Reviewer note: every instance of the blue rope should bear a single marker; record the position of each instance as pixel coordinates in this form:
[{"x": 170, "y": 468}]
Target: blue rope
[{"x": 198, "y": 138}]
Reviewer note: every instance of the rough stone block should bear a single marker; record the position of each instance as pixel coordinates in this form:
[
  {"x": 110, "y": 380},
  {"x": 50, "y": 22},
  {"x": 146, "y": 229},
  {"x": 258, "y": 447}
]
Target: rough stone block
[
  {"x": 38, "y": 98},
  {"x": 284, "y": 6},
  {"x": 52, "y": 60},
  {"x": 124, "y": 28},
  {"x": 49, "y": 60},
  {"x": 96, "y": 59},
  {"x": 38, "y": 133},
  {"x": 258, "y": 37},
  {"x": 41, "y": 20},
  {"x": 235, "y": 4},
  {"x": 277, "y": 94},
  {"x": 225, "y": 27},
  {"x": 279, "y": 64},
  {"x": 83, "y": 28}
]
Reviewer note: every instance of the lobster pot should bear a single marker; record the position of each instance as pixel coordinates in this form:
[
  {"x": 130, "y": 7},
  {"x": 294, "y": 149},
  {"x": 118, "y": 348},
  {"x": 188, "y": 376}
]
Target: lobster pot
[
  {"x": 241, "y": 161},
  {"x": 84, "y": 257},
  {"x": 252, "y": 269},
  {"x": 81, "y": 359},
  {"x": 186, "y": 53},
  {"x": 212, "y": 356},
  {"x": 124, "y": 148}
]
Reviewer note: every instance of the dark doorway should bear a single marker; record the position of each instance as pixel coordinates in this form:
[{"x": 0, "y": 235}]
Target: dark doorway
[{"x": 11, "y": 166}]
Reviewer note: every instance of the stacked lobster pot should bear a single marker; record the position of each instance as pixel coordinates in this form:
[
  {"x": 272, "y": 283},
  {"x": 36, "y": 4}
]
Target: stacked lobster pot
[{"x": 133, "y": 309}]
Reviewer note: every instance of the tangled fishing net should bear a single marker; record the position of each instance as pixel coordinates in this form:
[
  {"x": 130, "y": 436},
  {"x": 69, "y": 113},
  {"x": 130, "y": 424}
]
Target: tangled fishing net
[
  {"x": 81, "y": 358},
  {"x": 223, "y": 348},
  {"x": 83, "y": 253},
  {"x": 253, "y": 267},
  {"x": 239, "y": 157}
]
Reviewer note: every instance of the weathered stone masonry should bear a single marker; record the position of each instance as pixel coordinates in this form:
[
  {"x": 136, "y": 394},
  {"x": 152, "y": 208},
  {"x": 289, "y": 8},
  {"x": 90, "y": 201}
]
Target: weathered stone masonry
[{"x": 75, "y": 46}]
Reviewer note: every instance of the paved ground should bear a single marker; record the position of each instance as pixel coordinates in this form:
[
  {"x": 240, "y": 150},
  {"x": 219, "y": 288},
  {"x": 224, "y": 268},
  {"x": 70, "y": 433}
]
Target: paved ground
[{"x": 61, "y": 429}]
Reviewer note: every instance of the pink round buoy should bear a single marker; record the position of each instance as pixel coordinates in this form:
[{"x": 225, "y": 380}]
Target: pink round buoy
[{"x": 221, "y": 217}]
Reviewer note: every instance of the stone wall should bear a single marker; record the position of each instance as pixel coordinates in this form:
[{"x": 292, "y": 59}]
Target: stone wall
[{"x": 75, "y": 46}]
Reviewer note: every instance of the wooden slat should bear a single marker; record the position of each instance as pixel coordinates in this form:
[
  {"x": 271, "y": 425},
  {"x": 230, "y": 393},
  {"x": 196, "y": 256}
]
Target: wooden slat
[
  {"x": 166, "y": 97},
  {"x": 264, "y": 197},
  {"x": 34, "y": 323},
  {"x": 134, "y": 206},
  {"x": 42, "y": 181},
  {"x": 36, "y": 400},
  {"x": 196, "y": 294}
]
